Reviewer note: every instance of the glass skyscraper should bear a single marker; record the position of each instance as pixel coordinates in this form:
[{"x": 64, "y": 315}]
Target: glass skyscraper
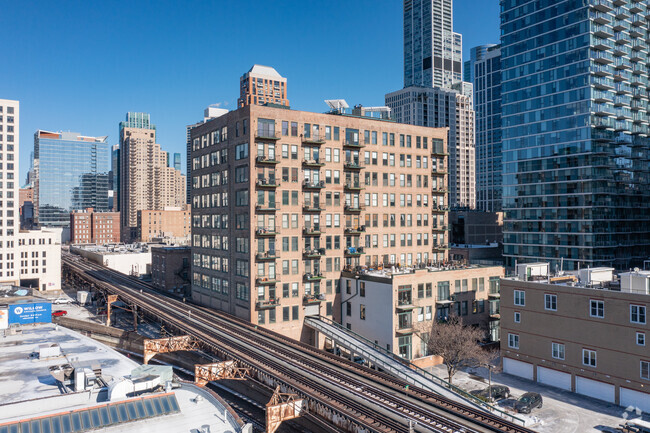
[
  {"x": 575, "y": 132},
  {"x": 71, "y": 174},
  {"x": 432, "y": 51},
  {"x": 484, "y": 69}
]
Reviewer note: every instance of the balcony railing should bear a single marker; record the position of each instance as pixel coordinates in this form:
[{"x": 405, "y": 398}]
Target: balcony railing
[
  {"x": 313, "y": 185},
  {"x": 264, "y": 304},
  {"x": 312, "y": 231},
  {"x": 267, "y": 183},
  {"x": 313, "y": 276},
  {"x": 313, "y": 298},
  {"x": 353, "y": 144},
  {"x": 312, "y": 207},
  {"x": 270, "y": 207},
  {"x": 315, "y": 253},
  {"x": 265, "y": 281},
  {"x": 353, "y": 186},
  {"x": 263, "y": 231},
  {"x": 267, "y": 134},
  {"x": 263, "y": 159},
  {"x": 314, "y": 139},
  {"x": 355, "y": 230},
  {"x": 266, "y": 256},
  {"x": 353, "y": 208},
  {"x": 353, "y": 251},
  {"x": 313, "y": 162},
  {"x": 353, "y": 165}
]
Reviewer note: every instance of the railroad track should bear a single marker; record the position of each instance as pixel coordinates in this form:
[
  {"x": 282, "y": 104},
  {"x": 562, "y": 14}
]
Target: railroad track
[{"x": 371, "y": 399}]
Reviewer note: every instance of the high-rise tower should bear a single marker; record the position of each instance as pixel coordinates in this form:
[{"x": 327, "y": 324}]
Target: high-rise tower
[{"x": 576, "y": 155}]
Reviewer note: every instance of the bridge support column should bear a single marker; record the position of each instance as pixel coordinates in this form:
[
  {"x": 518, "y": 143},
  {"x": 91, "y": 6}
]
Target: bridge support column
[
  {"x": 109, "y": 300},
  {"x": 283, "y": 407},
  {"x": 204, "y": 373}
]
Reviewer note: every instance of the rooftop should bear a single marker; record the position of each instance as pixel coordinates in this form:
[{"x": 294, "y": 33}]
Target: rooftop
[
  {"x": 266, "y": 71},
  {"x": 30, "y": 390},
  {"x": 394, "y": 271},
  {"x": 635, "y": 281}
]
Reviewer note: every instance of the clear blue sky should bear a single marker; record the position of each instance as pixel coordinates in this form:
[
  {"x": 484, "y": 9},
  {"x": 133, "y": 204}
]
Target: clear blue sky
[{"x": 81, "y": 65}]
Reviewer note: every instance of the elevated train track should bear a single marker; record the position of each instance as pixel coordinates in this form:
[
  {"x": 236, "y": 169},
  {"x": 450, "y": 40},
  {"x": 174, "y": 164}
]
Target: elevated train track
[{"x": 352, "y": 397}]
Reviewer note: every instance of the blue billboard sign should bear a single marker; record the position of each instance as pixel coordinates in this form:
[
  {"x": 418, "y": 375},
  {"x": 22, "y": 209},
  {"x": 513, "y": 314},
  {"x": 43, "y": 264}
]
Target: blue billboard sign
[{"x": 36, "y": 312}]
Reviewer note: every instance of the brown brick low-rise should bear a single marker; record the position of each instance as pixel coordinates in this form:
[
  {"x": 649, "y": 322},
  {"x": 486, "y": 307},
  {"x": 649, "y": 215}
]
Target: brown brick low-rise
[{"x": 90, "y": 227}]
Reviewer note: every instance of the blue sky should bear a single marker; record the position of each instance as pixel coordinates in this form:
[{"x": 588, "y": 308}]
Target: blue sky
[{"x": 81, "y": 65}]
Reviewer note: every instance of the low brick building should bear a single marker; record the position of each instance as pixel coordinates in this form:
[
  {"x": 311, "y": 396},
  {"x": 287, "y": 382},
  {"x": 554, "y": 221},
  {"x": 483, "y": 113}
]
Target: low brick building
[
  {"x": 90, "y": 227},
  {"x": 159, "y": 224},
  {"x": 170, "y": 268},
  {"x": 395, "y": 307}
]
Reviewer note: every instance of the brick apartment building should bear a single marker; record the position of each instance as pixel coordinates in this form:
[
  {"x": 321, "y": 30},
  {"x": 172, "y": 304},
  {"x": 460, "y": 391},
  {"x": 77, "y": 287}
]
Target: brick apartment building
[
  {"x": 585, "y": 331},
  {"x": 90, "y": 227},
  {"x": 170, "y": 223},
  {"x": 170, "y": 270},
  {"x": 283, "y": 201}
]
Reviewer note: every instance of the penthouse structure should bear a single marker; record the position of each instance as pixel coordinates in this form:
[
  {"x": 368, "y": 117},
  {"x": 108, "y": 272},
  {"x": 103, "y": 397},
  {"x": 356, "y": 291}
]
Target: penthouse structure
[
  {"x": 262, "y": 85},
  {"x": 146, "y": 181},
  {"x": 284, "y": 201},
  {"x": 583, "y": 331}
]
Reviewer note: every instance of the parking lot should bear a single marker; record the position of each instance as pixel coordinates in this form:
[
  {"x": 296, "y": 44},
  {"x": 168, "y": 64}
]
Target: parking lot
[{"x": 562, "y": 411}]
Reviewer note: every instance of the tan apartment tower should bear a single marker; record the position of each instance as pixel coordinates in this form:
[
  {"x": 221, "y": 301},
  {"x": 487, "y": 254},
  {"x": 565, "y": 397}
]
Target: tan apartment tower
[
  {"x": 146, "y": 182},
  {"x": 262, "y": 85},
  {"x": 284, "y": 201}
]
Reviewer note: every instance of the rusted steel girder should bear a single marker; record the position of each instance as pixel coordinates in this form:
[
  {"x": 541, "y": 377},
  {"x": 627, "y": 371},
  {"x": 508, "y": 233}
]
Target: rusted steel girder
[
  {"x": 204, "y": 373},
  {"x": 166, "y": 345},
  {"x": 283, "y": 407}
]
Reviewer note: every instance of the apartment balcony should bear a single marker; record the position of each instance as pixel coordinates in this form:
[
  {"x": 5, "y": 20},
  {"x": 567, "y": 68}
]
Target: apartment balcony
[
  {"x": 316, "y": 298},
  {"x": 440, "y": 190},
  {"x": 602, "y": 57},
  {"x": 603, "y": 110},
  {"x": 603, "y": 97},
  {"x": 262, "y": 232},
  {"x": 352, "y": 208},
  {"x": 439, "y": 229},
  {"x": 312, "y": 163},
  {"x": 267, "y": 256},
  {"x": 638, "y": 20},
  {"x": 603, "y": 83},
  {"x": 353, "y": 165},
  {"x": 353, "y": 251},
  {"x": 404, "y": 328},
  {"x": 355, "y": 231},
  {"x": 267, "y": 183},
  {"x": 601, "y": 70},
  {"x": 599, "y": 17},
  {"x": 439, "y": 208},
  {"x": 313, "y": 185},
  {"x": 312, "y": 207},
  {"x": 308, "y": 276},
  {"x": 267, "y": 134},
  {"x": 265, "y": 207},
  {"x": 265, "y": 281},
  {"x": 439, "y": 172},
  {"x": 405, "y": 304},
  {"x": 637, "y": 31},
  {"x": 265, "y": 160},
  {"x": 312, "y": 231},
  {"x": 602, "y": 31},
  {"x": 267, "y": 304},
  {"x": 622, "y": 13},
  {"x": 438, "y": 151},
  {"x": 602, "y": 5},
  {"x": 353, "y": 186},
  {"x": 315, "y": 253},
  {"x": 439, "y": 248},
  {"x": 353, "y": 144},
  {"x": 494, "y": 294},
  {"x": 315, "y": 139}
]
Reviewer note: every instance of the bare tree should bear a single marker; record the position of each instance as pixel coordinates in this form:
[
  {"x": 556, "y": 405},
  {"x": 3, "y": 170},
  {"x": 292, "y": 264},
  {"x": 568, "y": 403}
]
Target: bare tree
[
  {"x": 490, "y": 360},
  {"x": 456, "y": 344}
]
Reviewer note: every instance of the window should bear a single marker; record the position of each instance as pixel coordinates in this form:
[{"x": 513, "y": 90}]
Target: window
[
  {"x": 645, "y": 370},
  {"x": 589, "y": 357},
  {"x": 597, "y": 308},
  {"x": 550, "y": 302},
  {"x": 520, "y": 298},
  {"x": 362, "y": 311},
  {"x": 637, "y": 314},
  {"x": 557, "y": 350},
  {"x": 513, "y": 341},
  {"x": 517, "y": 317},
  {"x": 640, "y": 338}
]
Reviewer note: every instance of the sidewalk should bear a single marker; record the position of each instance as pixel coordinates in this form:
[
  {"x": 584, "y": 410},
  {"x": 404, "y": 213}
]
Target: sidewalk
[{"x": 562, "y": 411}]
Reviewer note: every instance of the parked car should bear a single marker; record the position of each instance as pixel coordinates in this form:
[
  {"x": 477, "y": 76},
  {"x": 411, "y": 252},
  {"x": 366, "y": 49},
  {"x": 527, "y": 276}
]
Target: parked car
[
  {"x": 59, "y": 313},
  {"x": 528, "y": 402},
  {"x": 62, "y": 301},
  {"x": 498, "y": 392}
]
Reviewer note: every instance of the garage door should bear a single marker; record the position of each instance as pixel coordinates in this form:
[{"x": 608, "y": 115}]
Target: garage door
[
  {"x": 636, "y": 399},
  {"x": 555, "y": 378},
  {"x": 518, "y": 368},
  {"x": 595, "y": 389}
]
